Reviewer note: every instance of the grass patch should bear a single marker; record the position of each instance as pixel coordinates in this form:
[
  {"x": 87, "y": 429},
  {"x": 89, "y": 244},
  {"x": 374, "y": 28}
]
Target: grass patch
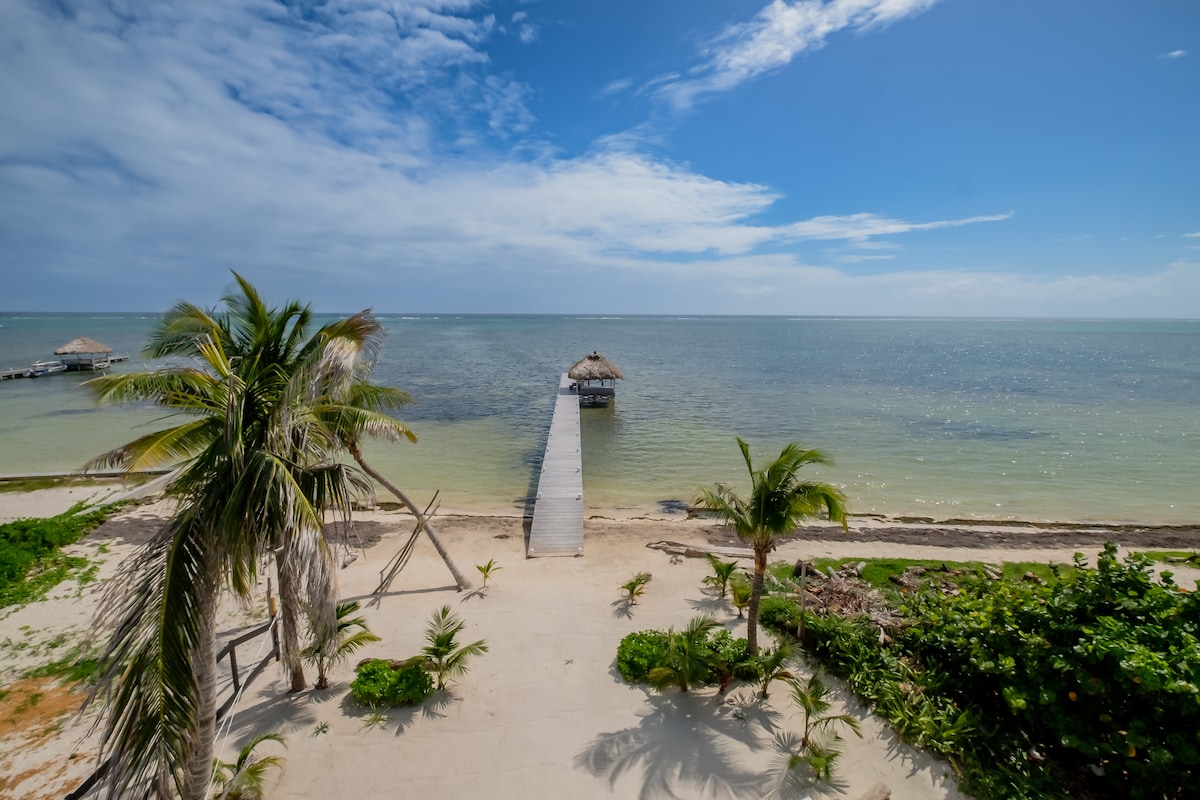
[
  {"x": 1187, "y": 557},
  {"x": 879, "y": 572},
  {"x": 31, "y": 560},
  {"x": 75, "y": 667},
  {"x": 44, "y": 575}
]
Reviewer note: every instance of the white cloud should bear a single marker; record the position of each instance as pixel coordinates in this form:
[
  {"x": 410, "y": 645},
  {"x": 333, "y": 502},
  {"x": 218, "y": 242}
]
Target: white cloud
[
  {"x": 614, "y": 87},
  {"x": 862, "y": 226},
  {"x": 1195, "y": 235},
  {"x": 142, "y": 157},
  {"x": 1174, "y": 54},
  {"x": 776, "y": 35}
]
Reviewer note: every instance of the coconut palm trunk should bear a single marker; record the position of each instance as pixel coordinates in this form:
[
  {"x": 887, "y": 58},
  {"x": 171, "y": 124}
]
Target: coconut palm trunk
[
  {"x": 290, "y": 600},
  {"x": 200, "y": 753},
  {"x": 459, "y": 579},
  {"x": 756, "y": 591}
]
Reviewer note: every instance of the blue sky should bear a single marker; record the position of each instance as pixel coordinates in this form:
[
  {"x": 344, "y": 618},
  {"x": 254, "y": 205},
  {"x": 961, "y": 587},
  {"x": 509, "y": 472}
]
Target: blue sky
[{"x": 875, "y": 157}]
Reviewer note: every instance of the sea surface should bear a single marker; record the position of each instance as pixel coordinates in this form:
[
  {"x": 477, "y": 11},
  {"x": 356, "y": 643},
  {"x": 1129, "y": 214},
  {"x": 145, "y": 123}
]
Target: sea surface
[{"x": 1043, "y": 420}]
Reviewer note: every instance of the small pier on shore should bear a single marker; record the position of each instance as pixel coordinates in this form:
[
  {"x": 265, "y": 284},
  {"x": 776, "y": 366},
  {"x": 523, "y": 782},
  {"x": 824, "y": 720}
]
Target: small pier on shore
[{"x": 557, "y": 528}]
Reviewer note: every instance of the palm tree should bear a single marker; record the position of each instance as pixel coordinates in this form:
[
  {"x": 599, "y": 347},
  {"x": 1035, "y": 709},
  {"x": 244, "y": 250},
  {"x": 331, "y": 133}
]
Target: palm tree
[
  {"x": 740, "y": 590},
  {"x": 352, "y": 634},
  {"x": 772, "y": 665},
  {"x": 689, "y": 658},
  {"x": 446, "y": 656},
  {"x": 246, "y": 778},
  {"x": 257, "y": 472},
  {"x": 778, "y": 502},
  {"x": 722, "y": 573}
]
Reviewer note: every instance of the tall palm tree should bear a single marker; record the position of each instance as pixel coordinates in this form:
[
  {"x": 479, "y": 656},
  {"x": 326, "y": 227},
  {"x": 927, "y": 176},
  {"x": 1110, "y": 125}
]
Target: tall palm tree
[
  {"x": 258, "y": 471},
  {"x": 778, "y": 502}
]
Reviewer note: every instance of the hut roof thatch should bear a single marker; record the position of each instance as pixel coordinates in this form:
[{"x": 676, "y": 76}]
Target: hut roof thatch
[
  {"x": 594, "y": 367},
  {"x": 82, "y": 346}
]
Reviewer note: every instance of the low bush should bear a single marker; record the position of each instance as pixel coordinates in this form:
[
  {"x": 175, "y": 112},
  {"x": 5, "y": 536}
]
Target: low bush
[
  {"x": 379, "y": 683},
  {"x": 716, "y": 657},
  {"x": 640, "y": 652}
]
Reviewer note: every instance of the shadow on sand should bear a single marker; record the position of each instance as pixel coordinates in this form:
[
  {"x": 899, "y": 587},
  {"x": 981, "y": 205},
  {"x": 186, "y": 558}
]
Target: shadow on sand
[{"x": 684, "y": 745}]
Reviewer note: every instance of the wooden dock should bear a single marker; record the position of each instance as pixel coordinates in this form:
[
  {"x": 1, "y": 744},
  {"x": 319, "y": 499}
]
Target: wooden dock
[{"x": 557, "y": 528}]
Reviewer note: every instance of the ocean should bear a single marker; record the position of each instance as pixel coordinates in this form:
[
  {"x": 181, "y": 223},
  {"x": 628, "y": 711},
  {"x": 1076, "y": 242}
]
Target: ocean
[{"x": 1036, "y": 420}]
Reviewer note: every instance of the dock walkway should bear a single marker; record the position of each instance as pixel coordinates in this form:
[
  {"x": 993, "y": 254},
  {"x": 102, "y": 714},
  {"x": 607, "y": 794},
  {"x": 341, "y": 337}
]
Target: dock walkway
[{"x": 557, "y": 528}]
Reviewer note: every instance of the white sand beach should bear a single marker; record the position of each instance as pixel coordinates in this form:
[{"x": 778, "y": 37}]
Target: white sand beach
[{"x": 542, "y": 714}]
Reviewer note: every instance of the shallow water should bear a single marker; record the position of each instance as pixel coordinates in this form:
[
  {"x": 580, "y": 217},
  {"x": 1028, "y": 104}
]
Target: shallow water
[{"x": 992, "y": 419}]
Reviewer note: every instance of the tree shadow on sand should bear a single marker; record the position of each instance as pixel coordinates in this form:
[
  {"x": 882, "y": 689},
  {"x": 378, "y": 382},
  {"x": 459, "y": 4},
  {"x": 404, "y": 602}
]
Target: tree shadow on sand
[
  {"x": 623, "y": 608},
  {"x": 685, "y": 745},
  {"x": 791, "y": 780},
  {"x": 399, "y": 717}
]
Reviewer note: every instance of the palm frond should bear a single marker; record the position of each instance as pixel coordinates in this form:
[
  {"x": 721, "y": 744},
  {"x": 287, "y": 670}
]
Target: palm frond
[{"x": 158, "y": 609}]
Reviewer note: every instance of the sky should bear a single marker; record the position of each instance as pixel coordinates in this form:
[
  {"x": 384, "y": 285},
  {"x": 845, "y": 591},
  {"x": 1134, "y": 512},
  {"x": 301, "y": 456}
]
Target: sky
[{"x": 1014, "y": 158}]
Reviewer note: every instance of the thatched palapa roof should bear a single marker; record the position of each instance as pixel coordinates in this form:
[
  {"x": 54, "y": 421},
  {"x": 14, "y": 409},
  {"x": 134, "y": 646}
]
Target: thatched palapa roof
[
  {"x": 82, "y": 346},
  {"x": 594, "y": 368}
]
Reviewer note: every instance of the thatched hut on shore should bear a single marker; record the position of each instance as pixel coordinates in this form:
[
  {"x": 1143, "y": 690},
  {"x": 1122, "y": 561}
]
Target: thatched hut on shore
[
  {"x": 595, "y": 378},
  {"x": 84, "y": 353}
]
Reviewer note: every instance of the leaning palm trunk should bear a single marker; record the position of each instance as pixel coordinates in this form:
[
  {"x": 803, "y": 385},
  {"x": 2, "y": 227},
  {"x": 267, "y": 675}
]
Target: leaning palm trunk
[{"x": 459, "y": 579}]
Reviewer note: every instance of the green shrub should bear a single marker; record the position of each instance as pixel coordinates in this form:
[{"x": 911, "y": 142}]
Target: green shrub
[
  {"x": 727, "y": 658},
  {"x": 1031, "y": 690},
  {"x": 377, "y": 683},
  {"x": 779, "y": 614},
  {"x": 640, "y": 652}
]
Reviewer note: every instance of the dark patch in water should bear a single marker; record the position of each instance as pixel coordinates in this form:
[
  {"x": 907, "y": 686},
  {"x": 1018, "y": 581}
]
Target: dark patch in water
[
  {"x": 969, "y": 430},
  {"x": 673, "y": 506}
]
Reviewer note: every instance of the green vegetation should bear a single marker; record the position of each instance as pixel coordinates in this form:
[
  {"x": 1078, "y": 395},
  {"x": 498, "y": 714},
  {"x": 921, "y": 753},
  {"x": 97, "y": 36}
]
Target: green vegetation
[
  {"x": 816, "y": 748},
  {"x": 351, "y": 635},
  {"x": 722, "y": 573},
  {"x": 1082, "y": 686},
  {"x": 778, "y": 502},
  {"x": 37, "y": 484},
  {"x": 380, "y": 683},
  {"x": 31, "y": 562},
  {"x": 264, "y": 408},
  {"x": 702, "y": 653},
  {"x": 445, "y": 656},
  {"x": 635, "y": 587},
  {"x": 880, "y": 572},
  {"x": 245, "y": 779},
  {"x": 77, "y": 666},
  {"x": 740, "y": 590},
  {"x": 487, "y": 569},
  {"x": 1189, "y": 557}
]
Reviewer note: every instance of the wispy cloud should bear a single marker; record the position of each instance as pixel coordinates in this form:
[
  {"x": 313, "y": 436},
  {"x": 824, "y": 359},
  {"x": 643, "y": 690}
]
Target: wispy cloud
[
  {"x": 614, "y": 87},
  {"x": 1195, "y": 235},
  {"x": 776, "y": 35},
  {"x": 527, "y": 32},
  {"x": 1174, "y": 54},
  {"x": 863, "y": 226}
]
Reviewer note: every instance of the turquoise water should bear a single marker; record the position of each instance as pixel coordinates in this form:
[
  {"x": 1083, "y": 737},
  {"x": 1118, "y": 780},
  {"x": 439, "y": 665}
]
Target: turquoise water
[{"x": 992, "y": 419}]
